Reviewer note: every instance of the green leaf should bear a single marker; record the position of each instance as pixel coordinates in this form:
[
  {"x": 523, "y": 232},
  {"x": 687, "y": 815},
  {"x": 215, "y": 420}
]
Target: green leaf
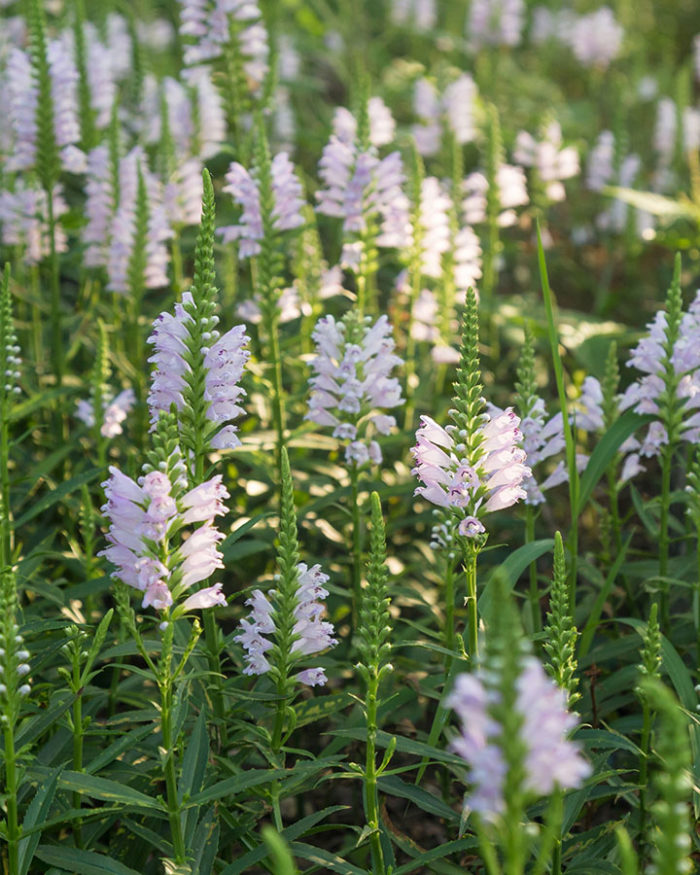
[
  {"x": 36, "y": 814},
  {"x": 82, "y": 862},
  {"x": 101, "y": 788},
  {"x": 512, "y": 568},
  {"x": 206, "y": 843},
  {"x": 327, "y": 861},
  {"x": 39, "y": 723},
  {"x": 597, "y": 609},
  {"x": 295, "y": 831},
  {"x": 58, "y": 494},
  {"x": 394, "y": 786},
  {"x": 320, "y": 707},
  {"x": 129, "y": 741},
  {"x": 606, "y": 450},
  {"x": 665, "y": 208},
  {"x": 436, "y": 854},
  {"x": 404, "y": 745}
]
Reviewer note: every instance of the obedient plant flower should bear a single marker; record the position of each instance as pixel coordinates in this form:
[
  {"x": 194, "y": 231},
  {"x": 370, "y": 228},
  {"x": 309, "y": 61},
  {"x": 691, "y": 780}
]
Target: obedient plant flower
[
  {"x": 211, "y": 27},
  {"x": 550, "y": 161},
  {"x": 222, "y": 357},
  {"x": 550, "y": 760},
  {"x": 421, "y": 15},
  {"x": 363, "y": 190},
  {"x": 140, "y": 211},
  {"x": 115, "y": 411},
  {"x": 14, "y": 664},
  {"x": 352, "y": 386},
  {"x": 148, "y": 519},
  {"x": 605, "y": 167},
  {"x": 495, "y": 23},
  {"x": 244, "y": 187},
  {"x": 596, "y": 38},
  {"x": 473, "y": 466},
  {"x": 311, "y": 633},
  {"x": 24, "y": 220},
  {"x": 471, "y": 484},
  {"x": 512, "y": 192},
  {"x": 24, "y": 105},
  {"x": 382, "y": 126}
]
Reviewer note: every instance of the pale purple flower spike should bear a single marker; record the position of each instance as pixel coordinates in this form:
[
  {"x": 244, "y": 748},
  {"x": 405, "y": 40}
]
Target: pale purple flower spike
[
  {"x": 224, "y": 360},
  {"x": 351, "y": 381},
  {"x": 551, "y": 761},
  {"x": 314, "y": 634},
  {"x": 492, "y": 482}
]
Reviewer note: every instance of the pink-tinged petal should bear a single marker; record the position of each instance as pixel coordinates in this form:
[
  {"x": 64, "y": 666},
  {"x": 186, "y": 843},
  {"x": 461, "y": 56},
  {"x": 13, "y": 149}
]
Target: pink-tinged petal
[{"x": 205, "y": 598}]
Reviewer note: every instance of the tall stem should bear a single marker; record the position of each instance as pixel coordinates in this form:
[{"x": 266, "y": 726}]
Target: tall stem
[
  {"x": 165, "y": 684},
  {"x": 644, "y": 775},
  {"x": 371, "y": 795},
  {"x": 11, "y": 802},
  {"x": 356, "y": 543},
  {"x": 449, "y": 613},
  {"x": 77, "y": 745},
  {"x": 534, "y": 588},
  {"x": 5, "y": 523},
  {"x": 472, "y": 642},
  {"x": 277, "y": 395},
  {"x": 663, "y": 536},
  {"x": 56, "y": 333}
]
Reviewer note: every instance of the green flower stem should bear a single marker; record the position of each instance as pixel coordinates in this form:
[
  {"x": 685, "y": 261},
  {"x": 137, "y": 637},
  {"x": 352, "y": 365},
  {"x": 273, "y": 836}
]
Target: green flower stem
[
  {"x": 77, "y": 743},
  {"x": 278, "y": 412},
  {"x": 165, "y": 684},
  {"x": 697, "y": 596},
  {"x": 472, "y": 642},
  {"x": 356, "y": 543},
  {"x": 534, "y": 594},
  {"x": 55, "y": 284},
  {"x": 13, "y": 831},
  {"x": 568, "y": 434},
  {"x": 410, "y": 366},
  {"x": 663, "y": 534},
  {"x": 371, "y": 794},
  {"x": 5, "y": 513},
  {"x": 644, "y": 746},
  {"x": 176, "y": 254},
  {"x": 276, "y": 747},
  {"x": 449, "y": 613}
]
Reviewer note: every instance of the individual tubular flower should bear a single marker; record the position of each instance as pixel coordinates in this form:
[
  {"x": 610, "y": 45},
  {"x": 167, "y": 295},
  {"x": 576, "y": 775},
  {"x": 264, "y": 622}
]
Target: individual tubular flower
[
  {"x": 245, "y": 190},
  {"x": 352, "y": 386},
  {"x": 223, "y": 359},
  {"x": 550, "y": 760},
  {"x": 153, "y": 542}
]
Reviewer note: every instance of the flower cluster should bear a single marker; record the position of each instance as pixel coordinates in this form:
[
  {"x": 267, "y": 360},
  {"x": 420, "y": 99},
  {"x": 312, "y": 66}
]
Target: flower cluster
[
  {"x": 512, "y": 192},
  {"x": 420, "y": 14},
  {"x": 457, "y": 105},
  {"x": 244, "y": 187},
  {"x": 542, "y": 438},
  {"x": 207, "y": 26},
  {"x": 363, "y": 189},
  {"x": 550, "y": 760},
  {"x": 648, "y": 392},
  {"x": 551, "y": 162},
  {"x": 224, "y": 358},
  {"x": 495, "y": 23},
  {"x": 115, "y": 411},
  {"x": 148, "y": 518},
  {"x": 23, "y": 214},
  {"x": 491, "y": 479},
  {"x": 351, "y": 383},
  {"x": 311, "y": 633}
]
